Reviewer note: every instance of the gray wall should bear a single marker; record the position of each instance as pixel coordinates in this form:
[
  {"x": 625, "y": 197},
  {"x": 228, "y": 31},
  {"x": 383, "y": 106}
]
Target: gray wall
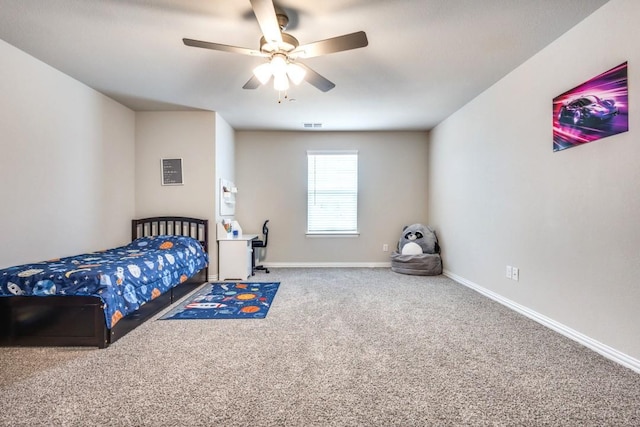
[
  {"x": 569, "y": 220},
  {"x": 66, "y": 164},
  {"x": 187, "y": 135},
  {"x": 271, "y": 170}
]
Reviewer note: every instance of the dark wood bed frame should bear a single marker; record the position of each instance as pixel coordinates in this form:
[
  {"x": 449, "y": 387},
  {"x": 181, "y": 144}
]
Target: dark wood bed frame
[{"x": 79, "y": 320}]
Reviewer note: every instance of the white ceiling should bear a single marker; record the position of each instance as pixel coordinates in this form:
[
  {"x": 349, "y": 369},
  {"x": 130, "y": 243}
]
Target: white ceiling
[{"x": 425, "y": 59}]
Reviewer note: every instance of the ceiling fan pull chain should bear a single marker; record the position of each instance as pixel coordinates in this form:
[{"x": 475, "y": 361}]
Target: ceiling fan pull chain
[{"x": 286, "y": 96}]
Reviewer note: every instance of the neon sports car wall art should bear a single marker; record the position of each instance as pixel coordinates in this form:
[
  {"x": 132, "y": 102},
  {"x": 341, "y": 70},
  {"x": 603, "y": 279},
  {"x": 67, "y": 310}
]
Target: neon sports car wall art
[
  {"x": 596, "y": 109},
  {"x": 588, "y": 109}
]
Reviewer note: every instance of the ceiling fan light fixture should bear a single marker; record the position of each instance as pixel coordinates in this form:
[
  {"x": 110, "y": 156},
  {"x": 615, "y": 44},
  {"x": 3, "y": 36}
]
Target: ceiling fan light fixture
[
  {"x": 296, "y": 73},
  {"x": 263, "y": 72},
  {"x": 280, "y": 82},
  {"x": 278, "y": 65}
]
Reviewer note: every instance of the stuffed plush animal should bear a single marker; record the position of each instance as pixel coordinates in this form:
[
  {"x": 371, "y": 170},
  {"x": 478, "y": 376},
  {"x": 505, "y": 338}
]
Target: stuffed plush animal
[
  {"x": 418, "y": 252},
  {"x": 418, "y": 239}
]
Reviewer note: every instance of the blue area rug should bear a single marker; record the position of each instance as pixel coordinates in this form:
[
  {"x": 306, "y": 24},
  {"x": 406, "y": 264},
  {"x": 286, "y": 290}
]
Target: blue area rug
[{"x": 227, "y": 300}]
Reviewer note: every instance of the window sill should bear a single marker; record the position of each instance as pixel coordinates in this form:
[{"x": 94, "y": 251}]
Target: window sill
[{"x": 333, "y": 234}]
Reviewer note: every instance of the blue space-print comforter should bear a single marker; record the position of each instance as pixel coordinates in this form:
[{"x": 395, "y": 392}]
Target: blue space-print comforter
[{"x": 124, "y": 278}]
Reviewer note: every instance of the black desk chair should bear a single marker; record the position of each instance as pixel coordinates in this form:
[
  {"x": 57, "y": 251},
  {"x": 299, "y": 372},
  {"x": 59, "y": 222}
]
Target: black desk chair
[{"x": 255, "y": 243}]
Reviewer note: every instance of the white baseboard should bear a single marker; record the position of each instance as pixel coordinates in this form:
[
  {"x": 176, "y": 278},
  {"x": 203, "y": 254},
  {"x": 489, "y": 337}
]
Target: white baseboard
[
  {"x": 327, "y": 264},
  {"x": 603, "y": 349}
]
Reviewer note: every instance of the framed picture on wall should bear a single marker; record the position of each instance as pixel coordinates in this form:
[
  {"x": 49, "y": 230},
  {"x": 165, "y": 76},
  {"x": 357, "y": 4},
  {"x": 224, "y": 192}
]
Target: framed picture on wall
[
  {"x": 171, "y": 171},
  {"x": 596, "y": 109}
]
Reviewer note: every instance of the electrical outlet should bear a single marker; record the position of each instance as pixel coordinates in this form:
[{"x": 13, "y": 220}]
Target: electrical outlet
[
  {"x": 509, "y": 272},
  {"x": 515, "y": 273},
  {"x": 385, "y": 248}
]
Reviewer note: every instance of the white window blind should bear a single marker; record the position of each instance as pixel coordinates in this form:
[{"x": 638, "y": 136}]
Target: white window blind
[{"x": 332, "y": 203}]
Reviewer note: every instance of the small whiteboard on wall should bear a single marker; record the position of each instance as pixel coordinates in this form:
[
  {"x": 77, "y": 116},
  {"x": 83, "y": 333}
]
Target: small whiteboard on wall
[{"x": 171, "y": 171}]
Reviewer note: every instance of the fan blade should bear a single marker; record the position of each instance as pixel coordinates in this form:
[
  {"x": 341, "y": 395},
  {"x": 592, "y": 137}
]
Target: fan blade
[
  {"x": 316, "y": 79},
  {"x": 222, "y": 47},
  {"x": 266, "y": 15},
  {"x": 336, "y": 44},
  {"x": 252, "y": 83}
]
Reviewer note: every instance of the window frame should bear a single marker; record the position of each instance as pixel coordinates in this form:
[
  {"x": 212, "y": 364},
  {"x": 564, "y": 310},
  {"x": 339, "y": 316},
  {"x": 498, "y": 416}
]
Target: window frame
[{"x": 334, "y": 233}]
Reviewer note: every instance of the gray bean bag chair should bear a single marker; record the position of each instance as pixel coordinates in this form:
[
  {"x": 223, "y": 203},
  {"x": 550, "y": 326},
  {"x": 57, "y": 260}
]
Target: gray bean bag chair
[{"x": 418, "y": 252}]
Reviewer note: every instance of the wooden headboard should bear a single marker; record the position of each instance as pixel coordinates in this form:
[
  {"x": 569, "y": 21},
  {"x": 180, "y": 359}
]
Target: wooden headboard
[{"x": 172, "y": 225}]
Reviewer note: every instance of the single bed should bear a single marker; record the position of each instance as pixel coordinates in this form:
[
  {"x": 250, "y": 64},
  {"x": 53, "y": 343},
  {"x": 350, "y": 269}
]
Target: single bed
[{"x": 96, "y": 298}]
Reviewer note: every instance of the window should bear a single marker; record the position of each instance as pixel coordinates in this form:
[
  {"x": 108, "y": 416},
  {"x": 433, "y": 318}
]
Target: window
[{"x": 332, "y": 198}]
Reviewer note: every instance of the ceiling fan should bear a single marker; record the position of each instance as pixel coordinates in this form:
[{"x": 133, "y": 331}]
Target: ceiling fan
[{"x": 283, "y": 51}]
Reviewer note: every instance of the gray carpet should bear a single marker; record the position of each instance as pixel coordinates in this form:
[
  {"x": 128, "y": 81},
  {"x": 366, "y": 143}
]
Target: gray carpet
[{"x": 339, "y": 347}]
